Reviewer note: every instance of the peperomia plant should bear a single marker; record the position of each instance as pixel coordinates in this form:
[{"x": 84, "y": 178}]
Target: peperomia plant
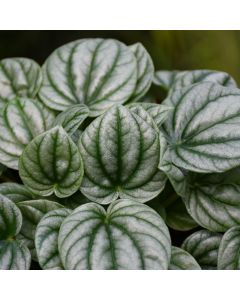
[{"x": 95, "y": 174}]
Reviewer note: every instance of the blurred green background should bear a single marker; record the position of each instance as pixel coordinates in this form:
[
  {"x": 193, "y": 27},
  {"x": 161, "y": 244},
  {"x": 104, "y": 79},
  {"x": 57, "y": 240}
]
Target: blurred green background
[{"x": 218, "y": 50}]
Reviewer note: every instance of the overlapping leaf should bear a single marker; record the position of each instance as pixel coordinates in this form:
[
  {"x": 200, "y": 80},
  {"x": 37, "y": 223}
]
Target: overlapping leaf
[
  {"x": 203, "y": 129},
  {"x": 72, "y": 118},
  {"x": 145, "y": 71},
  {"x": 121, "y": 153},
  {"x": 15, "y": 192},
  {"x": 203, "y": 245},
  {"x": 165, "y": 79},
  {"x": 21, "y": 120},
  {"x": 32, "y": 212},
  {"x": 129, "y": 235},
  {"x": 51, "y": 163},
  {"x": 13, "y": 255},
  {"x": 96, "y": 72},
  {"x": 229, "y": 250},
  {"x": 19, "y": 77},
  {"x": 182, "y": 260},
  {"x": 213, "y": 199},
  {"x": 46, "y": 238}
]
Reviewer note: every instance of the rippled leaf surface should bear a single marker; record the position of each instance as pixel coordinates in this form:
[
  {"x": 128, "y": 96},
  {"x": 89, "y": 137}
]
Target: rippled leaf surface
[
  {"x": 15, "y": 192},
  {"x": 121, "y": 155},
  {"x": 203, "y": 245},
  {"x": 145, "y": 71},
  {"x": 213, "y": 199},
  {"x": 21, "y": 120},
  {"x": 203, "y": 129},
  {"x": 182, "y": 260},
  {"x": 19, "y": 77},
  {"x": 51, "y": 163},
  {"x": 72, "y": 118},
  {"x": 46, "y": 239},
  {"x": 96, "y": 72},
  {"x": 129, "y": 235},
  {"x": 228, "y": 254}
]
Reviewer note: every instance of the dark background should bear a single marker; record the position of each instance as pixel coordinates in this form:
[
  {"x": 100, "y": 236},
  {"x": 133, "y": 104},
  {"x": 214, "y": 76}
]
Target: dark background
[{"x": 218, "y": 50}]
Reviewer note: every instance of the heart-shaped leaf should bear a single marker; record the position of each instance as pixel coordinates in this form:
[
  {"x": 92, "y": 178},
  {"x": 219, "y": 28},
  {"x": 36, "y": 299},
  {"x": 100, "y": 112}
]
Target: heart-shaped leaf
[
  {"x": 10, "y": 219},
  {"x": 145, "y": 71},
  {"x": 46, "y": 239},
  {"x": 15, "y": 192},
  {"x": 121, "y": 153},
  {"x": 229, "y": 250},
  {"x": 182, "y": 260},
  {"x": 203, "y": 245},
  {"x": 51, "y": 163},
  {"x": 14, "y": 255},
  {"x": 203, "y": 129},
  {"x": 72, "y": 118},
  {"x": 19, "y": 77},
  {"x": 213, "y": 199},
  {"x": 21, "y": 120},
  {"x": 96, "y": 72},
  {"x": 129, "y": 235}
]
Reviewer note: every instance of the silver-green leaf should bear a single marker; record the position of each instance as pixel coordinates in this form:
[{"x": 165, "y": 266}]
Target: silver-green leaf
[
  {"x": 130, "y": 235},
  {"x": 10, "y": 218},
  {"x": 46, "y": 239},
  {"x": 15, "y": 192},
  {"x": 182, "y": 260},
  {"x": 165, "y": 79},
  {"x": 213, "y": 199},
  {"x": 229, "y": 250},
  {"x": 145, "y": 71},
  {"x": 72, "y": 118},
  {"x": 203, "y": 129},
  {"x": 203, "y": 245},
  {"x": 32, "y": 212},
  {"x": 51, "y": 163},
  {"x": 96, "y": 72},
  {"x": 121, "y": 155},
  {"x": 21, "y": 120},
  {"x": 19, "y": 77},
  {"x": 14, "y": 255}
]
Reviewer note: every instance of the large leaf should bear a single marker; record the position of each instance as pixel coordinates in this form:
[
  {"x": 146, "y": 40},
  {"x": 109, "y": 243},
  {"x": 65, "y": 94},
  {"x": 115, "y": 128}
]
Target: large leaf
[
  {"x": 32, "y": 212},
  {"x": 19, "y": 77},
  {"x": 182, "y": 260},
  {"x": 203, "y": 130},
  {"x": 15, "y": 192},
  {"x": 10, "y": 219},
  {"x": 21, "y": 120},
  {"x": 129, "y": 235},
  {"x": 213, "y": 199},
  {"x": 229, "y": 250},
  {"x": 145, "y": 71},
  {"x": 95, "y": 72},
  {"x": 121, "y": 153},
  {"x": 51, "y": 163},
  {"x": 72, "y": 118},
  {"x": 14, "y": 255},
  {"x": 203, "y": 245},
  {"x": 46, "y": 239}
]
